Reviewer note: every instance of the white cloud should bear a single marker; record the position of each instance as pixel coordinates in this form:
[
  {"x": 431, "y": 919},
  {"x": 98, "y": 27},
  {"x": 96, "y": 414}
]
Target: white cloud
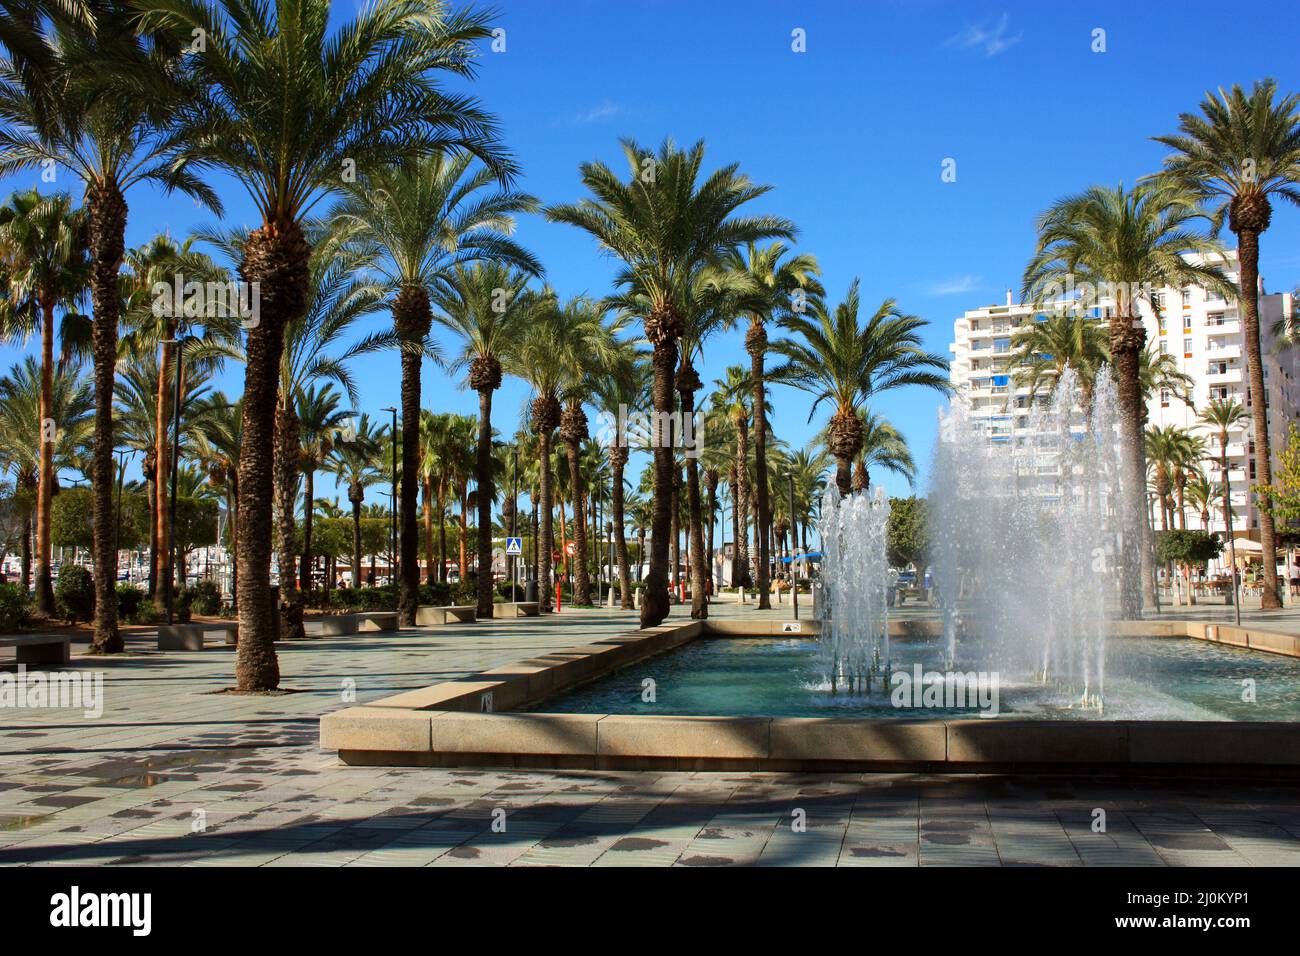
[
  {"x": 954, "y": 286},
  {"x": 992, "y": 39},
  {"x": 596, "y": 114}
]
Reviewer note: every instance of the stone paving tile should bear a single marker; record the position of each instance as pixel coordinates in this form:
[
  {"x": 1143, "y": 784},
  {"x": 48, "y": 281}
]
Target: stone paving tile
[{"x": 127, "y": 790}]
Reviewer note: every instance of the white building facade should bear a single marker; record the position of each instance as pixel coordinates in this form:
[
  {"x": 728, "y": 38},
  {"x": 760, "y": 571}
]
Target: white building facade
[{"x": 1200, "y": 329}]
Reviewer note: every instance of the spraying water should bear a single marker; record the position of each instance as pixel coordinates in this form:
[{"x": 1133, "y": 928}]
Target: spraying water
[
  {"x": 1024, "y": 534},
  {"x": 854, "y": 650}
]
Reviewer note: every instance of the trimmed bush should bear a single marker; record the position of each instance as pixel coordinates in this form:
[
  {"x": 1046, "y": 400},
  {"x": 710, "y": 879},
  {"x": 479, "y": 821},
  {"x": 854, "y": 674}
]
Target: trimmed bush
[
  {"x": 128, "y": 601},
  {"x": 15, "y": 607},
  {"x": 74, "y": 594},
  {"x": 205, "y": 598}
]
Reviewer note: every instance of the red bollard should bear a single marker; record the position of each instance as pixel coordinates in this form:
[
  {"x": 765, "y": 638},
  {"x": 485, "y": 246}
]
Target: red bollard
[{"x": 558, "y": 599}]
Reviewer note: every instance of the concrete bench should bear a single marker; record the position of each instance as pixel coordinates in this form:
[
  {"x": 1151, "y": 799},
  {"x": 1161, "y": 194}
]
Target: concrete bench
[
  {"x": 427, "y": 614},
  {"x": 330, "y": 625},
  {"x": 194, "y": 637},
  {"x": 377, "y": 621},
  {"x": 39, "y": 648},
  {"x": 517, "y": 609}
]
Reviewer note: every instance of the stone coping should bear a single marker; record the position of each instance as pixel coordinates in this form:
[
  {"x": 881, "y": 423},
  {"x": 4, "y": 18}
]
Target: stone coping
[{"x": 466, "y": 722}]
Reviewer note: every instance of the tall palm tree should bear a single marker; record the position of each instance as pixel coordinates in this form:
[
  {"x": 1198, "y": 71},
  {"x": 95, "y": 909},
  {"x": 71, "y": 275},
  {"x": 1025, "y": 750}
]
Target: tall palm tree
[
  {"x": 43, "y": 267},
  {"x": 1044, "y": 349},
  {"x": 421, "y": 221},
  {"x": 1242, "y": 150},
  {"x": 663, "y": 223},
  {"x": 778, "y": 283},
  {"x": 356, "y": 461},
  {"x": 215, "y": 447},
  {"x": 837, "y": 359},
  {"x": 625, "y": 388},
  {"x": 487, "y": 305},
  {"x": 151, "y": 324},
  {"x": 339, "y": 296},
  {"x": 360, "y": 94},
  {"x": 732, "y": 400},
  {"x": 98, "y": 105},
  {"x": 1203, "y": 495},
  {"x": 1222, "y": 415},
  {"x": 1121, "y": 244},
  {"x": 28, "y": 399},
  {"x": 320, "y": 426}
]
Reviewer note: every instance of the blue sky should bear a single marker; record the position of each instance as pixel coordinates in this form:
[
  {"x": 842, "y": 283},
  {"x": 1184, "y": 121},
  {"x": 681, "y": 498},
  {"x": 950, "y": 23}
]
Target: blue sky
[{"x": 851, "y": 133}]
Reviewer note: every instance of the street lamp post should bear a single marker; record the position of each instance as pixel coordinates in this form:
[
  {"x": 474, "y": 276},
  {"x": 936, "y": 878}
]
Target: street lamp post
[
  {"x": 392, "y": 521},
  {"x": 170, "y": 575}
]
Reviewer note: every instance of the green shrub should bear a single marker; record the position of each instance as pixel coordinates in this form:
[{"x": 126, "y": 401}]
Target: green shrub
[
  {"x": 146, "y": 613},
  {"x": 183, "y": 605},
  {"x": 377, "y": 599},
  {"x": 466, "y": 592},
  {"x": 74, "y": 593},
  {"x": 15, "y": 607},
  {"x": 128, "y": 601},
  {"x": 437, "y": 594},
  {"x": 205, "y": 598}
]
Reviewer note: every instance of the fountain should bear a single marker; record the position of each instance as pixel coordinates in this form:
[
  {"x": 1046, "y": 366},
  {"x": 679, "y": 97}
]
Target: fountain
[
  {"x": 854, "y": 649},
  {"x": 1025, "y": 532}
]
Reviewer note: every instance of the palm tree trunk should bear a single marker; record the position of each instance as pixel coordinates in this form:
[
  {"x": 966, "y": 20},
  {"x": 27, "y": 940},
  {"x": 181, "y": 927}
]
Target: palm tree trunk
[
  {"x": 463, "y": 566},
  {"x": 442, "y": 528},
  {"x": 355, "y": 499},
  {"x": 756, "y": 343},
  {"x": 654, "y": 606},
  {"x": 617, "y": 462},
  {"x": 107, "y": 216},
  {"x": 1126, "y": 339},
  {"x": 699, "y": 592},
  {"x": 546, "y": 513},
  {"x": 286, "y": 490},
  {"x": 162, "y": 468},
  {"x": 276, "y": 258},
  {"x": 28, "y": 528},
  {"x": 581, "y": 580},
  {"x": 412, "y": 318},
  {"x": 232, "y": 512},
  {"x": 1248, "y": 253},
  {"x": 740, "y": 568},
  {"x": 45, "y": 486},
  {"x": 486, "y": 492},
  {"x": 428, "y": 530},
  {"x": 309, "y": 490}
]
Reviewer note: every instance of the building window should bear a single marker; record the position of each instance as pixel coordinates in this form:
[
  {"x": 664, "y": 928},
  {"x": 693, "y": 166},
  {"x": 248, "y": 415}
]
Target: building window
[
  {"x": 1187, "y": 298},
  {"x": 1164, "y": 348},
  {"x": 1187, "y": 348}
]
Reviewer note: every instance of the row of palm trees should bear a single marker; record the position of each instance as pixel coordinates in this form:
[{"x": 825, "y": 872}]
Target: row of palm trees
[{"x": 1228, "y": 162}]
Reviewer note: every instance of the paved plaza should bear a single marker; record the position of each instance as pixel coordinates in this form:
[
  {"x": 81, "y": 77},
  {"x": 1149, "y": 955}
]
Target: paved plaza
[{"x": 175, "y": 772}]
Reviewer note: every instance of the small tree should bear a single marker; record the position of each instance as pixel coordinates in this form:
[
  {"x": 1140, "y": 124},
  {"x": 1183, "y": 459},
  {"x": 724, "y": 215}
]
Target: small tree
[
  {"x": 1186, "y": 548},
  {"x": 907, "y": 535},
  {"x": 1281, "y": 497}
]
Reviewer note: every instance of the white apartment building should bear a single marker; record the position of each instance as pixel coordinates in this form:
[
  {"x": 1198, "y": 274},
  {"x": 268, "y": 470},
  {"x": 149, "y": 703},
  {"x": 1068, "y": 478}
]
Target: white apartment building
[{"x": 1199, "y": 328}]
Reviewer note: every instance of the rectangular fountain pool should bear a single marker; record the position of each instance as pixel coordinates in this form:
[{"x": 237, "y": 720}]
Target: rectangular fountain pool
[{"x": 1146, "y": 679}]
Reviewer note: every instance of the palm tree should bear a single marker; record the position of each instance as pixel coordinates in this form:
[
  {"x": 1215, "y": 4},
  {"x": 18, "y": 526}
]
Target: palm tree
[
  {"x": 320, "y": 424},
  {"x": 28, "y": 398},
  {"x": 359, "y": 94},
  {"x": 421, "y": 221},
  {"x": 1044, "y": 349},
  {"x": 215, "y": 447},
  {"x": 151, "y": 323},
  {"x": 625, "y": 388},
  {"x": 883, "y": 446},
  {"x": 809, "y": 470},
  {"x": 837, "y": 359},
  {"x": 1223, "y": 415},
  {"x": 731, "y": 400},
  {"x": 487, "y": 306},
  {"x": 1203, "y": 495},
  {"x": 43, "y": 267},
  {"x": 1158, "y": 372},
  {"x": 98, "y": 105},
  {"x": 356, "y": 460},
  {"x": 663, "y": 223},
  {"x": 777, "y": 284},
  {"x": 1120, "y": 244},
  {"x": 1242, "y": 150}
]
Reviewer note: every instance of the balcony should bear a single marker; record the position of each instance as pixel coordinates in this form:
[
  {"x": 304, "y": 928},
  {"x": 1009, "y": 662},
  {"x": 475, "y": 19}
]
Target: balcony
[
  {"x": 1231, "y": 376},
  {"x": 1222, "y": 351}
]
